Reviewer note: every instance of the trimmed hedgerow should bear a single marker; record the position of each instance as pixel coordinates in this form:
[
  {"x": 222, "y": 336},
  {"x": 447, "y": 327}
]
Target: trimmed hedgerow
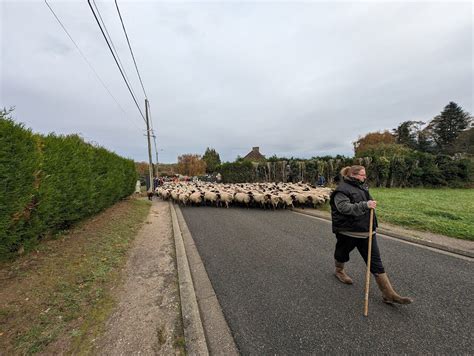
[{"x": 50, "y": 182}]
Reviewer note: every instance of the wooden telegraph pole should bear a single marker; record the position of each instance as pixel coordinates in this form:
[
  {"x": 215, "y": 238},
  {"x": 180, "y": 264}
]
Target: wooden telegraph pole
[{"x": 150, "y": 166}]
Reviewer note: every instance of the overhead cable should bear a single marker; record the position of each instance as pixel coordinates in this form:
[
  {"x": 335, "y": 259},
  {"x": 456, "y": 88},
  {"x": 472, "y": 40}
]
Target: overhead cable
[
  {"x": 89, "y": 64},
  {"x": 130, "y": 47},
  {"x": 112, "y": 44},
  {"x": 116, "y": 61}
]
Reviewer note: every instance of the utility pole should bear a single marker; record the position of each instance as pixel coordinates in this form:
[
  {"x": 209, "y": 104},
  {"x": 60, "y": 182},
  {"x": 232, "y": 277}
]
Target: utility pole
[
  {"x": 156, "y": 152},
  {"x": 150, "y": 167}
]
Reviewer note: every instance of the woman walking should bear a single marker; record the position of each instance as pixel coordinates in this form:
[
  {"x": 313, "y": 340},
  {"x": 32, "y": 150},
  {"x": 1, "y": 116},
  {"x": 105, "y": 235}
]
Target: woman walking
[{"x": 350, "y": 210}]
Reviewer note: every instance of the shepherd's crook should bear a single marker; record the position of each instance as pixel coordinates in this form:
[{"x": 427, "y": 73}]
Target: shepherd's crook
[{"x": 369, "y": 254}]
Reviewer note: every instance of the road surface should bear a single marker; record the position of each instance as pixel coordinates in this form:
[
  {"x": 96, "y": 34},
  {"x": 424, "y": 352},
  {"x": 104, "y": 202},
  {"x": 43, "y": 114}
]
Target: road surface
[{"x": 272, "y": 272}]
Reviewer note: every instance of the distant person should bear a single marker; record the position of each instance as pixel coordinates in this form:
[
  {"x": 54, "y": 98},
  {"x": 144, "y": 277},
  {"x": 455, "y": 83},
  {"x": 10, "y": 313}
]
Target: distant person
[
  {"x": 218, "y": 177},
  {"x": 138, "y": 187},
  {"x": 350, "y": 210},
  {"x": 321, "y": 181}
]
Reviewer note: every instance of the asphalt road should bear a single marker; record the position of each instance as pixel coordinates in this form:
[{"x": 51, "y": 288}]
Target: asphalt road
[{"x": 273, "y": 276}]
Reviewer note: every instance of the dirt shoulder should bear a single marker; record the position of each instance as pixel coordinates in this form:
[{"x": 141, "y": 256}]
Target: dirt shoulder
[
  {"x": 147, "y": 319},
  {"x": 108, "y": 285}
]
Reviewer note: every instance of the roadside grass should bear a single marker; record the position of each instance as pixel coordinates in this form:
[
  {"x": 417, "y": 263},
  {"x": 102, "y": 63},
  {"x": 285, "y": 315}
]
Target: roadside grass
[
  {"x": 60, "y": 295},
  {"x": 448, "y": 212}
]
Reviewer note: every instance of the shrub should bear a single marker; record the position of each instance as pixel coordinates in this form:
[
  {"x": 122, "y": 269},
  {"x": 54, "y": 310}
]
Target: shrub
[{"x": 50, "y": 182}]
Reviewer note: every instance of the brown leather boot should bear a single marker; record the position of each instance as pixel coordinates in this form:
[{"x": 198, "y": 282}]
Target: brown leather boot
[
  {"x": 388, "y": 294},
  {"x": 341, "y": 274}
]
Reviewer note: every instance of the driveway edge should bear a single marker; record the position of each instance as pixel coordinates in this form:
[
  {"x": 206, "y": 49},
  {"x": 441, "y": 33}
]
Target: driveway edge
[
  {"x": 192, "y": 324},
  {"x": 218, "y": 335},
  {"x": 389, "y": 233}
]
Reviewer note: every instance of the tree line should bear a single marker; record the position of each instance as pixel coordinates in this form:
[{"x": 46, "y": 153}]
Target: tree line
[
  {"x": 448, "y": 133},
  {"x": 437, "y": 153}
]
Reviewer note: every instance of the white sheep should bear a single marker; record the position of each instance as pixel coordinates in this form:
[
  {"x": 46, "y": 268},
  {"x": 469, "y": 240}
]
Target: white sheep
[
  {"x": 184, "y": 198},
  {"x": 262, "y": 195},
  {"x": 242, "y": 198},
  {"x": 196, "y": 198},
  {"x": 211, "y": 197},
  {"x": 287, "y": 200},
  {"x": 225, "y": 197}
]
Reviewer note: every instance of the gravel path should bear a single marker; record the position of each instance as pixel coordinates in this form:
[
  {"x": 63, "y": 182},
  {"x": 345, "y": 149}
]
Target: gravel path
[
  {"x": 273, "y": 275},
  {"x": 148, "y": 319}
]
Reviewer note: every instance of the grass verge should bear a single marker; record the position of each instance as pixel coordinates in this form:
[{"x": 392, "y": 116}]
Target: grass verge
[
  {"x": 448, "y": 212},
  {"x": 60, "y": 295}
]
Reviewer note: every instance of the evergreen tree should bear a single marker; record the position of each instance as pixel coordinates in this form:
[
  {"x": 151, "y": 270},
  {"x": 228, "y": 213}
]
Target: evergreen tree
[
  {"x": 212, "y": 159},
  {"x": 447, "y": 126},
  {"x": 465, "y": 142},
  {"x": 407, "y": 133},
  {"x": 425, "y": 141}
]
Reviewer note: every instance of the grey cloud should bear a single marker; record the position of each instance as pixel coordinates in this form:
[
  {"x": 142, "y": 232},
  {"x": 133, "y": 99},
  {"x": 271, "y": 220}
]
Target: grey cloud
[{"x": 297, "y": 79}]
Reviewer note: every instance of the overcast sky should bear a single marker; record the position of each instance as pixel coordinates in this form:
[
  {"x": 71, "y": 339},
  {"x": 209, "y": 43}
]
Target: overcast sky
[{"x": 297, "y": 79}]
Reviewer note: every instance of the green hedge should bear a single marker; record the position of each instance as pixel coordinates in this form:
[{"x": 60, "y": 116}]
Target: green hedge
[
  {"x": 50, "y": 182},
  {"x": 386, "y": 166},
  {"x": 238, "y": 172}
]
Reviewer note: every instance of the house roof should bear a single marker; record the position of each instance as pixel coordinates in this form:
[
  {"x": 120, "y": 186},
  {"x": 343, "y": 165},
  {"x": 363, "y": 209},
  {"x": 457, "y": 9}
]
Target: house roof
[{"x": 254, "y": 155}]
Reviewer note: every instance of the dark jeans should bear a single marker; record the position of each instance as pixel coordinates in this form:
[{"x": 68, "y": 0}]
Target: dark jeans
[{"x": 345, "y": 244}]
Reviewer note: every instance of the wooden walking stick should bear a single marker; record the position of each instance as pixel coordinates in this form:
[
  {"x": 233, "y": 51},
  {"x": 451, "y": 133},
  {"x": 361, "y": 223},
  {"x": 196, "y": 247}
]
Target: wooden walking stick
[{"x": 369, "y": 254}]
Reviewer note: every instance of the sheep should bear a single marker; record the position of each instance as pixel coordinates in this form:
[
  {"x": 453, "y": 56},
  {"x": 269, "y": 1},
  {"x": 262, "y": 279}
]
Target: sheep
[
  {"x": 210, "y": 196},
  {"x": 225, "y": 197},
  {"x": 184, "y": 198},
  {"x": 301, "y": 198},
  {"x": 315, "y": 199},
  {"x": 260, "y": 198},
  {"x": 196, "y": 197},
  {"x": 287, "y": 200},
  {"x": 242, "y": 198},
  {"x": 165, "y": 194},
  {"x": 263, "y": 195},
  {"x": 175, "y": 196}
]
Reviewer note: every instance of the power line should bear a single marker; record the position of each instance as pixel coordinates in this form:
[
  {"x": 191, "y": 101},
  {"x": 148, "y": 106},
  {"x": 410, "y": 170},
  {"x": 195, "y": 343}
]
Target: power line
[
  {"x": 140, "y": 78},
  {"x": 130, "y": 47},
  {"x": 116, "y": 62},
  {"x": 141, "y": 82},
  {"x": 112, "y": 43},
  {"x": 89, "y": 64}
]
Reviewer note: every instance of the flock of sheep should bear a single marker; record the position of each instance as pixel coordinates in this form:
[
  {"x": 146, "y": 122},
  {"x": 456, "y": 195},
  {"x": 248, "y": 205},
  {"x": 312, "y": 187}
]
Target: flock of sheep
[{"x": 263, "y": 195}]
